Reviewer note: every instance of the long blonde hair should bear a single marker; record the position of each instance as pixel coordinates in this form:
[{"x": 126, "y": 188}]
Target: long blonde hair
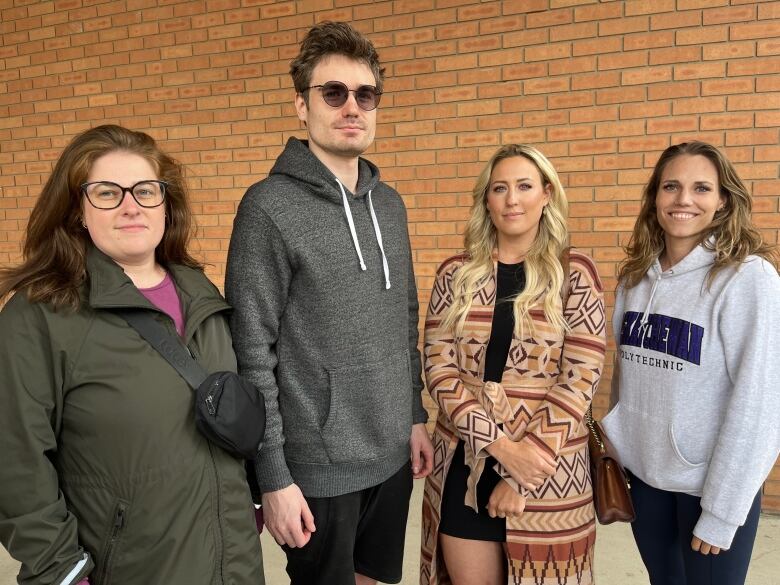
[
  {"x": 735, "y": 235},
  {"x": 543, "y": 272}
]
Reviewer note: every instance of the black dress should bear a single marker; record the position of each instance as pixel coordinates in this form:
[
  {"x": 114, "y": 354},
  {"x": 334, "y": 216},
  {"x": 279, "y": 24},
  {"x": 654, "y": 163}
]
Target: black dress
[{"x": 457, "y": 519}]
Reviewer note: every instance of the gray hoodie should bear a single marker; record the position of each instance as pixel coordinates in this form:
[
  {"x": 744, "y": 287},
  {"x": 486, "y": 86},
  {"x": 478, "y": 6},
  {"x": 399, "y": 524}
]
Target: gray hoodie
[
  {"x": 325, "y": 324},
  {"x": 699, "y": 385}
]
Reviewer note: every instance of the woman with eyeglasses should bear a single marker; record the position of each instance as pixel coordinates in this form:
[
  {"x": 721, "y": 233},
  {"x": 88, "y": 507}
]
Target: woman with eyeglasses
[
  {"x": 105, "y": 478},
  {"x": 514, "y": 348},
  {"x": 697, "y": 329}
]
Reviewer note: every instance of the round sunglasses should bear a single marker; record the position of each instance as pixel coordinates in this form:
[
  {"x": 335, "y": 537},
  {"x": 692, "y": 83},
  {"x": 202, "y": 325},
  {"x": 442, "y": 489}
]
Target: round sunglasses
[{"x": 336, "y": 93}]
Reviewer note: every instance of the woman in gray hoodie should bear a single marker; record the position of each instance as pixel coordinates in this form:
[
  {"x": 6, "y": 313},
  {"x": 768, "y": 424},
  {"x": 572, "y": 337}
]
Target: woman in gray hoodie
[{"x": 697, "y": 326}]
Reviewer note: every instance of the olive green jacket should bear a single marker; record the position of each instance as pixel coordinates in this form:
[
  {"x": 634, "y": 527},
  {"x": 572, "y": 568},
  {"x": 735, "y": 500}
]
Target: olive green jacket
[{"x": 102, "y": 471}]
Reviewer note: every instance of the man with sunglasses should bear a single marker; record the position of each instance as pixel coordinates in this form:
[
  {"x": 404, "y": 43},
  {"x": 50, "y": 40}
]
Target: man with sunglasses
[{"x": 325, "y": 324}]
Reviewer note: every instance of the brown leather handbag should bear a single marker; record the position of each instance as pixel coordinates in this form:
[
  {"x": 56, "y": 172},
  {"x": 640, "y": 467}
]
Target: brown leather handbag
[{"x": 611, "y": 496}]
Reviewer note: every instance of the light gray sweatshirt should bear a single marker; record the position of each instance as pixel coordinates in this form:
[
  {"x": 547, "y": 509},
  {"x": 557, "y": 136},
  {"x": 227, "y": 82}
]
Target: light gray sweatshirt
[
  {"x": 325, "y": 324},
  {"x": 699, "y": 385}
]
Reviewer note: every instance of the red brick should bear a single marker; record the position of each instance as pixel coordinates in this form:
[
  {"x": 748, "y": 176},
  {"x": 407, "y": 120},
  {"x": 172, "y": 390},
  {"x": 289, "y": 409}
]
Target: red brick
[
  {"x": 759, "y": 66},
  {"x": 768, "y": 101},
  {"x": 525, "y": 37},
  {"x": 634, "y": 7},
  {"x": 620, "y": 95},
  {"x": 574, "y": 65},
  {"x": 726, "y": 121},
  {"x": 675, "y": 55},
  {"x": 570, "y": 133},
  {"x": 596, "y": 46},
  {"x": 646, "y": 75},
  {"x": 676, "y": 124},
  {"x": 593, "y": 147},
  {"x": 751, "y": 137},
  {"x": 675, "y": 20},
  {"x": 598, "y": 12},
  {"x": 478, "y": 12},
  {"x": 623, "y": 60},
  {"x": 731, "y": 50},
  {"x": 547, "y": 52},
  {"x": 673, "y": 90},
  {"x": 770, "y": 47},
  {"x": 729, "y": 14},
  {"x": 545, "y": 86},
  {"x": 501, "y": 24},
  {"x": 618, "y": 129},
  {"x": 648, "y": 40},
  {"x": 699, "y": 70},
  {"x": 594, "y": 114},
  {"x": 757, "y": 30}
]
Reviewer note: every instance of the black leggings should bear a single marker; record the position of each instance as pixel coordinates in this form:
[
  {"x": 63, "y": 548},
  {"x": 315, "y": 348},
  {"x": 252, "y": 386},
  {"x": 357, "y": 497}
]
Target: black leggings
[{"x": 663, "y": 530}]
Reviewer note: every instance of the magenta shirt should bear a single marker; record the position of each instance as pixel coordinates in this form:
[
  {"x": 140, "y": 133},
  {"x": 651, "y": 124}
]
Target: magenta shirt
[{"x": 164, "y": 297}]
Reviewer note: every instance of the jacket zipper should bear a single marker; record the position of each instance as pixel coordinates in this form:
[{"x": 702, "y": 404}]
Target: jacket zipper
[
  {"x": 116, "y": 529},
  {"x": 219, "y": 543}
]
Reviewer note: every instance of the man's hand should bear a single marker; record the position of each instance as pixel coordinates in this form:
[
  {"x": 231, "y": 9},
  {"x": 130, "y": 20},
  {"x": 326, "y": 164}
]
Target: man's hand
[
  {"x": 288, "y": 517},
  {"x": 505, "y": 502},
  {"x": 422, "y": 451},
  {"x": 704, "y": 548},
  {"x": 528, "y": 465}
]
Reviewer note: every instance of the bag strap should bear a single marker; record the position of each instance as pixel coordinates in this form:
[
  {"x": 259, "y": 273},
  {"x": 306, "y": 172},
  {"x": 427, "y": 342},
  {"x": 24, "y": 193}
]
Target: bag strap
[{"x": 168, "y": 345}]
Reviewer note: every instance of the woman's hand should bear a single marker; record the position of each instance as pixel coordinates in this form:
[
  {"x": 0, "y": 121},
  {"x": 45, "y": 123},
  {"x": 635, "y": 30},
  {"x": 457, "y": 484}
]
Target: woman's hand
[
  {"x": 505, "y": 502},
  {"x": 528, "y": 465},
  {"x": 704, "y": 548}
]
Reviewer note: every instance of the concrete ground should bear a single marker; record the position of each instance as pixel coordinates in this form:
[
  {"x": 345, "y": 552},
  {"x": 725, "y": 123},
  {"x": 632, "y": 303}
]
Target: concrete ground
[{"x": 617, "y": 560}]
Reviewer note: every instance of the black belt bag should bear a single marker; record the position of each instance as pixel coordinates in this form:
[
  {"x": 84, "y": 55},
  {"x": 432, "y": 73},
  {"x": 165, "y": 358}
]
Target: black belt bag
[{"x": 229, "y": 410}]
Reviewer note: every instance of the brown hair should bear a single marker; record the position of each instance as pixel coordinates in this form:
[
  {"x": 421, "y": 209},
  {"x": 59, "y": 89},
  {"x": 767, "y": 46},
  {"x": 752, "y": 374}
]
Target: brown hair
[
  {"x": 735, "y": 235},
  {"x": 333, "y": 38},
  {"x": 55, "y": 247}
]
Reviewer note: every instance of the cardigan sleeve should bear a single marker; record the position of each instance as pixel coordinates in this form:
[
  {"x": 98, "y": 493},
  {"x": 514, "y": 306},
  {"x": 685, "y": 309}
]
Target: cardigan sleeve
[
  {"x": 581, "y": 364},
  {"x": 442, "y": 372}
]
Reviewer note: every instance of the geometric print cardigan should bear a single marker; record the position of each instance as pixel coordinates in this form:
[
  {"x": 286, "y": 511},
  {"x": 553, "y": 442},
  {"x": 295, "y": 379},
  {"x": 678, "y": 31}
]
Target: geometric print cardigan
[{"x": 546, "y": 388}]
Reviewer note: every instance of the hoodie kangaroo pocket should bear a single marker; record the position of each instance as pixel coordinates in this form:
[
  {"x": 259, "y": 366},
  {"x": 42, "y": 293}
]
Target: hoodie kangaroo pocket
[
  {"x": 370, "y": 410},
  {"x": 647, "y": 446}
]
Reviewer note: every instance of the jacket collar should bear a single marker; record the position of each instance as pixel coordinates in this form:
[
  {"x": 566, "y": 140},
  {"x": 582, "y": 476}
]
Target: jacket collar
[{"x": 110, "y": 288}]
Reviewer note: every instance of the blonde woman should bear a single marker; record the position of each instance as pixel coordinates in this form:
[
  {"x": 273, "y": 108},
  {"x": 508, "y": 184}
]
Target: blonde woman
[
  {"x": 513, "y": 372},
  {"x": 697, "y": 324}
]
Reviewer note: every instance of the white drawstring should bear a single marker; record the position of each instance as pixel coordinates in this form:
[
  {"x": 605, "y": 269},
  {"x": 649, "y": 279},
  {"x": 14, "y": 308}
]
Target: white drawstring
[
  {"x": 351, "y": 223},
  {"x": 385, "y": 267},
  {"x": 646, "y": 314}
]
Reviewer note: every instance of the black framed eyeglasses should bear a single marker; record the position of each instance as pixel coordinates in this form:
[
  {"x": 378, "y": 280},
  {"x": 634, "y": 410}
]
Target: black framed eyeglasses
[
  {"x": 108, "y": 195},
  {"x": 336, "y": 93}
]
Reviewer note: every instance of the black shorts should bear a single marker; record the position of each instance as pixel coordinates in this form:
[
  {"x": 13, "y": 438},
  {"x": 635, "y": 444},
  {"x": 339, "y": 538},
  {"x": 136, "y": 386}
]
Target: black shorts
[
  {"x": 360, "y": 532},
  {"x": 458, "y": 519}
]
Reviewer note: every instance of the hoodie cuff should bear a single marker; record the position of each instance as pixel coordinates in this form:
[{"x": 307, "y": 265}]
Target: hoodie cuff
[
  {"x": 715, "y": 531},
  {"x": 419, "y": 414},
  {"x": 271, "y": 469}
]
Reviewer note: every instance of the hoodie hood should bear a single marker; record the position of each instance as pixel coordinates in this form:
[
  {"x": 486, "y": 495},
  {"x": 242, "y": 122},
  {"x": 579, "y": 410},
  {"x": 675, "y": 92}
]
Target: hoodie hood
[
  {"x": 299, "y": 163},
  {"x": 701, "y": 257}
]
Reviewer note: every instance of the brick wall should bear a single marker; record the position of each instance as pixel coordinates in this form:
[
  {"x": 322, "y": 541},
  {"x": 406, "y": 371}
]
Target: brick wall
[{"x": 600, "y": 87}]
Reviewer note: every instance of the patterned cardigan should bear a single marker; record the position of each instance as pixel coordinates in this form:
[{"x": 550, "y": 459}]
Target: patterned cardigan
[{"x": 547, "y": 386}]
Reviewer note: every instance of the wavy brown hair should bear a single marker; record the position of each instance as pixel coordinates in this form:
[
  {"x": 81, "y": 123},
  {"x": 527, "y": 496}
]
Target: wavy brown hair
[
  {"x": 333, "y": 38},
  {"x": 53, "y": 268},
  {"x": 735, "y": 236}
]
